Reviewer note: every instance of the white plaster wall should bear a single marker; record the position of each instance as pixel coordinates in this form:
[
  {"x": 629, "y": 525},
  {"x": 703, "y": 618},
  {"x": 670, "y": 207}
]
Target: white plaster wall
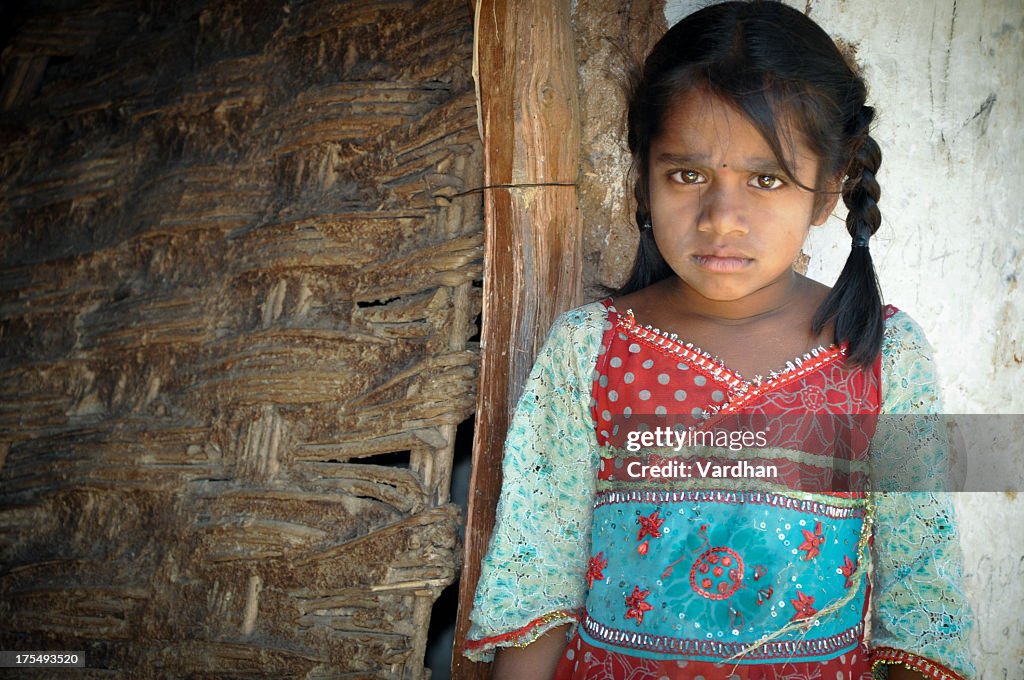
[{"x": 945, "y": 78}]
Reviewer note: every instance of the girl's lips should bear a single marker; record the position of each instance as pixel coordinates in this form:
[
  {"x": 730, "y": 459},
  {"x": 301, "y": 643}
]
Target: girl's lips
[{"x": 718, "y": 263}]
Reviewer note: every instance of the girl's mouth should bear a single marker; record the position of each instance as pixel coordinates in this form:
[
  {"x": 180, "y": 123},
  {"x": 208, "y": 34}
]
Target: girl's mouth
[{"x": 718, "y": 263}]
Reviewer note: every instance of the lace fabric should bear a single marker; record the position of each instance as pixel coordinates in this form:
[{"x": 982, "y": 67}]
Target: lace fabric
[
  {"x": 920, "y": 614},
  {"x": 533, "y": 576}
]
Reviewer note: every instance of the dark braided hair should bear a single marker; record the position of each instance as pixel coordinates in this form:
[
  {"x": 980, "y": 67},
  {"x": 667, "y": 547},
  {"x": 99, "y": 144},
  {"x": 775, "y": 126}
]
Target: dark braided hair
[
  {"x": 854, "y": 304},
  {"x": 773, "y": 63}
]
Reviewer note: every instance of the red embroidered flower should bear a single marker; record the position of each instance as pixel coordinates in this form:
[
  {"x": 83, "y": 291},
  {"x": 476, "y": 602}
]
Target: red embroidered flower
[
  {"x": 649, "y": 526},
  {"x": 803, "y": 603},
  {"x": 717, "y": 573},
  {"x": 595, "y": 571},
  {"x": 812, "y": 542},
  {"x": 847, "y": 570},
  {"x": 636, "y": 606},
  {"x": 812, "y": 397}
]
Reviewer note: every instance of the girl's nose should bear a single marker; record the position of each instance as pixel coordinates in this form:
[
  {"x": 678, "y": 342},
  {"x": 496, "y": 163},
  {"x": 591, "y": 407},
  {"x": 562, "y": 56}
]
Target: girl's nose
[{"x": 723, "y": 210}]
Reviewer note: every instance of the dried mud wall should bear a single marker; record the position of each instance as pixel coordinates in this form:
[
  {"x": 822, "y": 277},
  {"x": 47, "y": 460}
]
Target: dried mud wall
[
  {"x": 236, "y": 297},
  {"x": 612, "y": 40}
]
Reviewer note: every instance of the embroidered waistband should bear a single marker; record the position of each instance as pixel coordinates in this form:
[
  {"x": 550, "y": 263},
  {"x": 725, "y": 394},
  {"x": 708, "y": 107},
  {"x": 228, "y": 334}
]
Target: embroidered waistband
[
  {"x": 687, "y": 647},
  {"x": 850, "y": 507}
]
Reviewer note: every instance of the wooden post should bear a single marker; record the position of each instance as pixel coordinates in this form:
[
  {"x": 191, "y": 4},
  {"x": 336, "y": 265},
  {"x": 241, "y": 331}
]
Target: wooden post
[{"x": 529, "y": 117}]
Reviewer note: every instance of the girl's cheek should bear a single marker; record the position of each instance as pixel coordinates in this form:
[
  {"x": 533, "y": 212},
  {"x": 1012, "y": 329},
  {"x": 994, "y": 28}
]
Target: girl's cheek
[{"x": 678, "y": 201}]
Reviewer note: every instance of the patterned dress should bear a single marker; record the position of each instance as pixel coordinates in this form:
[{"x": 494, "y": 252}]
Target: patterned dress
[{"x": 691, "y": 523}]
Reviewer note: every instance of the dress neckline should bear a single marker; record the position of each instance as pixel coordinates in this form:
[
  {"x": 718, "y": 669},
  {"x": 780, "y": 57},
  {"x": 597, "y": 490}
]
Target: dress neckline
[{"x": 717, "y": 369}]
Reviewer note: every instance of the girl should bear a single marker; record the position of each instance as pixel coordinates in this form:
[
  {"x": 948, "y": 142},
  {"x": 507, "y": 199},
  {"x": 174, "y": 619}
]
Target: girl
[{"x": 745, "y": 126}]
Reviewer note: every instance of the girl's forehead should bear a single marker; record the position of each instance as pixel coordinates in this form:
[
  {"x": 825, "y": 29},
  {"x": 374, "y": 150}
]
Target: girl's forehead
[{"x": 700, "y": 123}]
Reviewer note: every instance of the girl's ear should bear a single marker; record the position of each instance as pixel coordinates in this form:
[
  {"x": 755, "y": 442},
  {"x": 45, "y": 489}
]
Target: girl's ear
[{"x": 826, "y": 202}]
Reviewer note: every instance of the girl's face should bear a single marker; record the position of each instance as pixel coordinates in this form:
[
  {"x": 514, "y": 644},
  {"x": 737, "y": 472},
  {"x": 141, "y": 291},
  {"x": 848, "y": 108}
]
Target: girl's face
[{"x": 726, "y": 218}]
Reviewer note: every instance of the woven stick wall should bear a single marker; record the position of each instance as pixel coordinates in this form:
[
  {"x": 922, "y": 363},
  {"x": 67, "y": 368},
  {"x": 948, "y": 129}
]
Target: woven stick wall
[{"x": 236, "y": 292}]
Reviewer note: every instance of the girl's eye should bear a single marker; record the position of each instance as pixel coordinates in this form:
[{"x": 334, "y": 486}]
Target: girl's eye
[
  {"x": 687, "y": 177},
  {"x": 767, "y": 182}
]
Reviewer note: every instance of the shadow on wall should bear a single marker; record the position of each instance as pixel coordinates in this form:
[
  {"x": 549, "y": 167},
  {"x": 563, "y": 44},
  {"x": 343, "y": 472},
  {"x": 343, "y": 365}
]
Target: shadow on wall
[{"x": 441, "y": 637}]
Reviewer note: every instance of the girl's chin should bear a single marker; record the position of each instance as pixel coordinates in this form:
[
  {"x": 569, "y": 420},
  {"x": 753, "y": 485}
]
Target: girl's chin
[
  {"x": 718, "y": 293},
  {"x": 715, "y": 289}
]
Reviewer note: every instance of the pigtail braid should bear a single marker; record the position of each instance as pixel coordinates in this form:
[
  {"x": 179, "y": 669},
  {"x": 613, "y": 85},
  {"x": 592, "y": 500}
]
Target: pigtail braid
[{"x": 855, "y": 303}]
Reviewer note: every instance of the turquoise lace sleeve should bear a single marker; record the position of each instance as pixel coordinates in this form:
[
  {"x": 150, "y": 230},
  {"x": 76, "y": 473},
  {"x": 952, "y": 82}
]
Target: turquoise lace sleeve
[
  {"x": 920, "y": 615},
  {"x": 532, "y": 577}
]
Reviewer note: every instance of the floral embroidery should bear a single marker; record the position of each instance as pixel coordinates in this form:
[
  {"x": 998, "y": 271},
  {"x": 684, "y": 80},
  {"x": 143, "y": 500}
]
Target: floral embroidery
[
  {"x": 595, "y": 570},
  {"x": 812, "y": 542},
  {"x": 803, "y": 603},
  {"x": 813, "y": 398},
  {"x": 717, "y": 573},
  {"x": 636, "y": 605},
  {"x": 703, "y": 534},
  {"x": 849, "y": 566},
  {"x": 650, "y": 525}
]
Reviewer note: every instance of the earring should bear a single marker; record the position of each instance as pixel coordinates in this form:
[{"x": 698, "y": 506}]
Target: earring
[{"x": 647, "y": 226}]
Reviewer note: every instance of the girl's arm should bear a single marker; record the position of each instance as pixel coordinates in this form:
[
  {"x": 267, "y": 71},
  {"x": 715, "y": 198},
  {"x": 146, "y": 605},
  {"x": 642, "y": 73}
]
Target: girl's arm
[
  {"x": 537, "y": 660},
  {"x": 532, "y": 579},
  {"x": 921, "y": 616}
]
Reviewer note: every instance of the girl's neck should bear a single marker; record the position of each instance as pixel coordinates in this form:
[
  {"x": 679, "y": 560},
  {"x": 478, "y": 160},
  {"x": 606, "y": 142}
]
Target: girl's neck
[
  {"x": 752, "y": 336},
  {"x": 774, "y": 299}
]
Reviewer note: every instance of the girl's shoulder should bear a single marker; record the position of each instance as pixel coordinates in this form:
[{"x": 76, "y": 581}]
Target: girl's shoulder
[
  {"x": 575, "y": 335},
  {"x": 902, "y": 334},
  {"x": 909, "y": 379},
  {"x": 590, "y": 315},
  {"x": 585, "y": 324}
]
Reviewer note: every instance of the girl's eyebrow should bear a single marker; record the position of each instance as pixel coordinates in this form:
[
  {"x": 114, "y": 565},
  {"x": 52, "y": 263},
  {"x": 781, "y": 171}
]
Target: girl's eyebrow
[
  {"x": 681, "y": 158},
  {"x": 765, "y": 164}
]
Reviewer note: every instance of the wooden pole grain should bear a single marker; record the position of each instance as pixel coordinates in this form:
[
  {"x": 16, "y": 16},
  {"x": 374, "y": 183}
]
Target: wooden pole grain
[{"x": 529, "y": 118}]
